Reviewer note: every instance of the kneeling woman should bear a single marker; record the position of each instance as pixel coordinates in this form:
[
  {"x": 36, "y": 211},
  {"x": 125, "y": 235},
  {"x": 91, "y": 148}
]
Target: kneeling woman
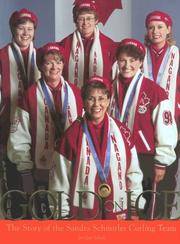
[{"x": 96, "y": 157}]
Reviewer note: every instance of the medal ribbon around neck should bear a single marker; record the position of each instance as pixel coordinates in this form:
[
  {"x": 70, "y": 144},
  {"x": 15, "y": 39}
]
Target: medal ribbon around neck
[
  {"x": 131, "y": 97},
  {"x": 51, "y": 104},
  {"x": 162, "y": 66},
  {"x": 26, "y": 82},
  {"x": 103, "y": 173},
  {"x": 117, "y": 108}
]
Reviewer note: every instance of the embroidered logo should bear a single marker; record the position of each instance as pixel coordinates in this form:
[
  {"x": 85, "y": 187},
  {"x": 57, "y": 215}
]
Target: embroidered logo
[
  {"x": 76, "y": 67},
  {"x": 14, "y": 125},
  {"x": 143, "y": 104},
  {"x": 52, "y": 171},
  {"x": 167, "y": 117},
  {"x": 118, "y": 158},
  {"x": 88, "y": 164},
  {"x": 126, "y": 133}
]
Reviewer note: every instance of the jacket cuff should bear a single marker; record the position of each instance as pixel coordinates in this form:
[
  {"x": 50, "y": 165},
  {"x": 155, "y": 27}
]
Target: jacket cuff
[
  {"x": 23, "y": 167},
  {"x": 26, "y": 172},
  {"x": 159, "y": 165}
]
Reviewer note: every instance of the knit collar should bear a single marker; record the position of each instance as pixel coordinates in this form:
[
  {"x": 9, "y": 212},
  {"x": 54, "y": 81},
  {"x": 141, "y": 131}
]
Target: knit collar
[
  {"x": 125, "y": 81},
  {"x": 58, "y": 87},
  {"x": 157, "y": 51}
]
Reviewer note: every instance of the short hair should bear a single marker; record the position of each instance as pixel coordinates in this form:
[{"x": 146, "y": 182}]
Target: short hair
[
  {"x": 131, "y": 51},
  {"x": 77, "y": 12},
  {"x": 21, "y": 21},
  {"x": 87, "y": 87},
  {"x": 40, "y": 58}
]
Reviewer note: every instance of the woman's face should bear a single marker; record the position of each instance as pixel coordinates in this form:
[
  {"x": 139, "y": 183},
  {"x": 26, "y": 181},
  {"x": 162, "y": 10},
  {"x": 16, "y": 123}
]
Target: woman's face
[
  {"x": 128, "y": 66},
  {"x": 24, "y": 34},
  {"x": 52, "y": 68},
  {"x": 157, "y": 32},
  {"x": 86, "y": 24},
  {"x": 96, "y": 104}
]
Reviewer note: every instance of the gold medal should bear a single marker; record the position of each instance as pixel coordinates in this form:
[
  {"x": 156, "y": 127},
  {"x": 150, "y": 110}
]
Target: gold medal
[{"x": 104, "y": 190}]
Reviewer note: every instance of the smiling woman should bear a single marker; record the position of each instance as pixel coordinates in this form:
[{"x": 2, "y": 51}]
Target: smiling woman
[
  {"x": 87, "y": 51},
  {"x": 161, "y": 64},
  {"x": 144, "y": 107},
  {"x": 24, "y": 34},
  {"x": 96, "y": 155},
  {"x": 18, "y": 72},
  {"x": 96, "y": 101},
  {"x": 86, "y": 23},
  {"x": 52, "y": 68},
  {"x": 47, "y": 109}
]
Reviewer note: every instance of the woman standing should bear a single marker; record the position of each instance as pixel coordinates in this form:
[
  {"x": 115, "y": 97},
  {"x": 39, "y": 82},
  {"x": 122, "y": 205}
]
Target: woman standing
[
  {"x": 48, "y": 108},
  {"x": 161, "y": 64},
  {"x": 87, "y": 51},
  {"x": 96, "y": 156},
  {"x": 18, "y": 71},
  {"x": 18, "y": 67},
  {"x": 161, "y": 61},
  {"x": 144, "y": 107}
]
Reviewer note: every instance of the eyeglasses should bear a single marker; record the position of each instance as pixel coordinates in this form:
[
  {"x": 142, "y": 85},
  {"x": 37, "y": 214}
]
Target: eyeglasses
[
  {"x": 87, "y": 20},
  {"x": 100, "y": 100}
]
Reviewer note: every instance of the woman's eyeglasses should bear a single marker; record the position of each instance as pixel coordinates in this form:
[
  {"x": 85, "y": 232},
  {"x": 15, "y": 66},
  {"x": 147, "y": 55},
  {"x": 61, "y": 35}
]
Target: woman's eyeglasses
[{"x": 87, "y": 20}]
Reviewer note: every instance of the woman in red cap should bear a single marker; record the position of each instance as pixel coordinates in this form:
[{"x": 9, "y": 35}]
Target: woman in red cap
[
  {"x": 100, "y": 160},
  {"x": 144, "y": 107},
  {"x": 161, "y": 64},
  {"x": 87, "y": 51},
  {"x": 18, "y": 71},
  {"x": 48, "y": 108}
]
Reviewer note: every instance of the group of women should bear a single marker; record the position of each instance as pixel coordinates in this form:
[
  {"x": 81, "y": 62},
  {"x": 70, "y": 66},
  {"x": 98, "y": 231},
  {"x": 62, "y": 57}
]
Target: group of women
[{"x": 69, "y": 125}]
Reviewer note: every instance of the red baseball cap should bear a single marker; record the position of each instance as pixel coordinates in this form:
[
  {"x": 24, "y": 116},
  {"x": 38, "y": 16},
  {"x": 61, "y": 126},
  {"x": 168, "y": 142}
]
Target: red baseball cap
[
  {"x": 79, "y": 4},
  {"x": 42, "y": 51},
  {"x": 158, "y": 16},
  {"x": 134, "y": 42},
  {"x": 103, "y": 80},
  {"x": 83, "y": 4},
  {"x": 23, "y": 13}
]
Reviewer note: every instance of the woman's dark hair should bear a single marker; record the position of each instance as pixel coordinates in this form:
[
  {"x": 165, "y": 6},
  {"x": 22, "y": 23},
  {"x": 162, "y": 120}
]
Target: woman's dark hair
[
  {"x": 131, "y": 51},
  {"x": 85, "y": 90},
  {"x": 21, "y": 21}
]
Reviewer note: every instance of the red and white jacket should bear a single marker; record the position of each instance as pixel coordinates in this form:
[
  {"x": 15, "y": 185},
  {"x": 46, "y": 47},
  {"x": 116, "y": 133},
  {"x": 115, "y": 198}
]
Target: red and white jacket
[
  {"x": 75, "y": 170},
  {"x": 11, "y": 84},
  {"x": 32, "y": 135},
  {"x": 100, "y": 57},
  {"x": 149, "y": 118}
]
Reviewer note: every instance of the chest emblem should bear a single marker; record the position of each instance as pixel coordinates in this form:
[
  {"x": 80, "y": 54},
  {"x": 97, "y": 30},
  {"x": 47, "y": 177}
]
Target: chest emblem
[{"x": 143, "y": 104}]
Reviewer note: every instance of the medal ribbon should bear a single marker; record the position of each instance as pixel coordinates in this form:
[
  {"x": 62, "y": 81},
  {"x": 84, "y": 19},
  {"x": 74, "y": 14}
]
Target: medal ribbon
[
  {"x": 103, "y": 173},
  {"x": 51, "y": 104},
  {"x": 117, "y": 109},
  {"x": 26, "y": 82},
  {"x": 131, "y": 97},
  {"x": 162, "y": 66}
]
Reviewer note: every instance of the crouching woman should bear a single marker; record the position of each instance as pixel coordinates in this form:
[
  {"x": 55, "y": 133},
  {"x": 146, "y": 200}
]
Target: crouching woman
[{"x": 96, "y": 161}]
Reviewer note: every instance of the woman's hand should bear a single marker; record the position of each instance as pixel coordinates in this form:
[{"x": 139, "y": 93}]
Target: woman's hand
[{"x": 159, "y": 174}]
